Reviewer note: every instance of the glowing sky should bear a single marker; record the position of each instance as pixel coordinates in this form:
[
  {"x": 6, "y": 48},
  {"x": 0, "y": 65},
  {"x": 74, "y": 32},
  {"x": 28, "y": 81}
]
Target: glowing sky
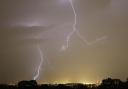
[{"x": 26, "y": 23}]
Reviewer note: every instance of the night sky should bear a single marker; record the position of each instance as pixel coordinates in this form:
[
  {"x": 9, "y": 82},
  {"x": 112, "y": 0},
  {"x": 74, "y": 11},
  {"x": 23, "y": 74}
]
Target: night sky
[{"x": 24, "y": 24}]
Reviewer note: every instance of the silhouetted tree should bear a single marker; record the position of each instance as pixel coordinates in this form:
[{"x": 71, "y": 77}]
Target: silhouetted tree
[
  {"x": 4, "y": 86},
  {"x": 27, "y": 84}
]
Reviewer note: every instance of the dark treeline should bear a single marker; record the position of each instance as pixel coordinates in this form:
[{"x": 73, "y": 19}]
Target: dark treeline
[{"x": 106, "y": 84}]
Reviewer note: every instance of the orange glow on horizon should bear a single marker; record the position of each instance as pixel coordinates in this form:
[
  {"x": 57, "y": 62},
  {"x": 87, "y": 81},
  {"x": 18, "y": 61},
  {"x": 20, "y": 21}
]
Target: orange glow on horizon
[{"x": 67, "y": 81}]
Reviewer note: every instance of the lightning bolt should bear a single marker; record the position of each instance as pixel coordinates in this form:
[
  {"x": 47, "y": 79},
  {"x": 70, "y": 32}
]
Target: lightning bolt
[
  {"x": 75, "y": 31},
  {"x": 40, "y": 64},
  {"x": 68, "y": 38}
]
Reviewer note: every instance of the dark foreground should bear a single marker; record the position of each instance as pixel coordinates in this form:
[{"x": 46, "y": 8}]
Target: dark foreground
[{"x": 32, "y": 84}]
